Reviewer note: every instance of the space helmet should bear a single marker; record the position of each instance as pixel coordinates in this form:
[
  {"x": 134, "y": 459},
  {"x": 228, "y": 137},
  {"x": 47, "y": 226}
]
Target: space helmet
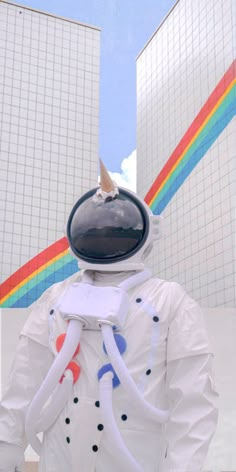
[{"x": 110, "y": 228}]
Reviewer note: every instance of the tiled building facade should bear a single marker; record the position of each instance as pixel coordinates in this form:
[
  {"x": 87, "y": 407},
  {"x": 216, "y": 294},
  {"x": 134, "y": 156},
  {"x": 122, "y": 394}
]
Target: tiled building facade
[
  {"x": 49, "y": 100},
  {"x": 186, "y": 135}
]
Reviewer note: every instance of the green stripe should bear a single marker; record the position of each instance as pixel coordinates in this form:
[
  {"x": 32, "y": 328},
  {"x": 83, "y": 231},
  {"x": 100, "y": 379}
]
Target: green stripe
[
  {"x": 205, "y": 131},
  {"x": 36, "y": 279}
]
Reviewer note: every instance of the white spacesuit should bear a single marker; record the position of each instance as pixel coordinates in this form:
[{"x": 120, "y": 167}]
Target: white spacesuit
[{"x": 113, "y": 365}]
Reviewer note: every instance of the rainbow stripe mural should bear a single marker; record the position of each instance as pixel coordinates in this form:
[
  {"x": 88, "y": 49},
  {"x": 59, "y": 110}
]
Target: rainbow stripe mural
[
  {"x": 55, "y": 263},
  {"x": 213, "y": 117},
  {"x": 26, "y": 285}
]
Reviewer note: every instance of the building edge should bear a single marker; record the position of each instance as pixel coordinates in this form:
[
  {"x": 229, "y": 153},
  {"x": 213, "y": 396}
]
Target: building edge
[
  {"x": 159, "y": 26},
  {"x": 26, "y": 7}
]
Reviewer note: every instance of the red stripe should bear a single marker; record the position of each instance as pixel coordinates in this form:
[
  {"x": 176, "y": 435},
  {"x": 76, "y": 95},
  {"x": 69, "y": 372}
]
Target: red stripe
[
  {"x": 27, "y": 269},
  {"x": 202, "y": 115}
]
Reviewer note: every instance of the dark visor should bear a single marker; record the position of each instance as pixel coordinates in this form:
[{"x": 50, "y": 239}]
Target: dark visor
[{"x": 107, "y": 231}]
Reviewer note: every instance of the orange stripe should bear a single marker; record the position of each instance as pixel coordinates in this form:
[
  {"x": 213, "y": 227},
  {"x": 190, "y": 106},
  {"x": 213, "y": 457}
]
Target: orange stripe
[
  {"x": 34, "y": 274},
  {"x": 24, "y": 271},
  {"x": 202, "y": 115},
  {"x": 192, "y": 140}
]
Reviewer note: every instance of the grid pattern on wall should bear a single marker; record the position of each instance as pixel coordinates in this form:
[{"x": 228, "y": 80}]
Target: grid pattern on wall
[
  {"x": 176, "y": 73},
  {"x": 49, "y": 99}
]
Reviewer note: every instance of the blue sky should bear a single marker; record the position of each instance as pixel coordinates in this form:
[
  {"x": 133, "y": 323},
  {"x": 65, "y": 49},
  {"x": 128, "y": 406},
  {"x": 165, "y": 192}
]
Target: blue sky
[{"x": 126, "y": 27}]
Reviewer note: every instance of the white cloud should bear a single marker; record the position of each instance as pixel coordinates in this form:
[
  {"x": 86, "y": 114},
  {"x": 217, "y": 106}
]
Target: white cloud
[{"x": 127, "y": 177}]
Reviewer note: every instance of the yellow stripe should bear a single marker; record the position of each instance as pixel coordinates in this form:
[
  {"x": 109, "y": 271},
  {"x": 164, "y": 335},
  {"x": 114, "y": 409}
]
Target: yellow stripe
[
  {"x": 193, "y": 139},
  {"x": 32, "y": 275}
]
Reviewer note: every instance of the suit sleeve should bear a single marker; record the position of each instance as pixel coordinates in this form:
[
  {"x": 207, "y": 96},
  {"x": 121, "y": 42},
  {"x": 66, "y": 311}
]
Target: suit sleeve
[
  {"x": 190, "y": 385},
  {"x": 32, "y": 361},
  {"x": 30, "y": 366}
]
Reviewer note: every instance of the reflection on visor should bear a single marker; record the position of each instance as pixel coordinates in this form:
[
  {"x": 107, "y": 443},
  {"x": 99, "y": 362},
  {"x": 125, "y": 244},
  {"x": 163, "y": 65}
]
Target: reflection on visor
[{"x": 107, "y": 231}]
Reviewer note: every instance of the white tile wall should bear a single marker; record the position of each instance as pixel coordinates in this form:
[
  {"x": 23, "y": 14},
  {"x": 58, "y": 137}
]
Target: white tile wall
[
  {"x": 49, "y": 95},
  {"x": 176, "y": 72}
]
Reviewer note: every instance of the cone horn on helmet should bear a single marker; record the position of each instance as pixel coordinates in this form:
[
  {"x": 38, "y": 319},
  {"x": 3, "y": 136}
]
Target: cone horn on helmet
[
  {"x": 108, "y": 188},
  {"x": 106, "y": 183}
]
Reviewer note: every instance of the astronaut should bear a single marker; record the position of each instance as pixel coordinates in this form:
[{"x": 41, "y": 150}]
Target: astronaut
[{"x": 113, "y": 365}]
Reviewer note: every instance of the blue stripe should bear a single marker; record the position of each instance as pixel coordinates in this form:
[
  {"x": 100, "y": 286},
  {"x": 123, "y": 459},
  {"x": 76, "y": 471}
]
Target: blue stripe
[
  {"x": 196, "y": 157},
  {"x": 59, "y": 275}
]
